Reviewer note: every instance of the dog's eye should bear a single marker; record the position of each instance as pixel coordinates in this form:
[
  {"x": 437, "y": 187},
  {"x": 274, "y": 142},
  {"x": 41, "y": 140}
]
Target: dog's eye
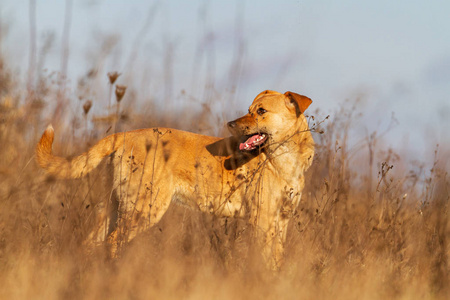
[{"x": 261, "y": 111}]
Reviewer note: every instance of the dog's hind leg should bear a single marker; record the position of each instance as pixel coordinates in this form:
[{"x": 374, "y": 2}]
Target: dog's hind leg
[{"x": 137, "y": 218}]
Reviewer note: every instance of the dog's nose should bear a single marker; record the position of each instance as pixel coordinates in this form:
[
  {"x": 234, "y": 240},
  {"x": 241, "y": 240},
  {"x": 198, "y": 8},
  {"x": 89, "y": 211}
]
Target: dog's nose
[{"x": 231, "y": 124}]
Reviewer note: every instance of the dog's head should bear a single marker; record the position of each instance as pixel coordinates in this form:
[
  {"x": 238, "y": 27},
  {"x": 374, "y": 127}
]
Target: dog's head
[{"x": 272, "y": 118}]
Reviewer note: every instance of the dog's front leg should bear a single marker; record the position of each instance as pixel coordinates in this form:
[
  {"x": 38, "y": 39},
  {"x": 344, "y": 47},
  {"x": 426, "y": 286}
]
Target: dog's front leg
[
  {"x": 270, "y": 223},
  {"x": 273, "y": 239}
]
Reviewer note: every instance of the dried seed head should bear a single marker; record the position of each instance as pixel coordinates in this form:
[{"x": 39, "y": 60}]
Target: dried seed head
[
  {"x": 113, "y": 77},
  {"x": 87, "y": 106},
  {"x": 148, "y": 145},
  {"x": 120, "y": 91}
]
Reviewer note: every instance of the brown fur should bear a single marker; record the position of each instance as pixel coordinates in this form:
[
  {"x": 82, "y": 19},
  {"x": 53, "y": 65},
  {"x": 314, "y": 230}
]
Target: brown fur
[{"x": 153, "y": 167}]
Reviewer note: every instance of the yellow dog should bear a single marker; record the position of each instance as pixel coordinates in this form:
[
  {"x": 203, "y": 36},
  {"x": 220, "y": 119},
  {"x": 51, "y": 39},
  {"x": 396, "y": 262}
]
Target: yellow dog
[{"x": 258, "y": 173}]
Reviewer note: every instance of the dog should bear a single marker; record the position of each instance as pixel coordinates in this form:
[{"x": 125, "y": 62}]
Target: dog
[{"x": 257, "y": 173}]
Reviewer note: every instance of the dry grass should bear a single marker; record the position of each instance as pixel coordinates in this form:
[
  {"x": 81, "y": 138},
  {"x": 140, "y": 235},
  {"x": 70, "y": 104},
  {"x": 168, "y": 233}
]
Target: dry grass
[{"x": 355, "y": 235}]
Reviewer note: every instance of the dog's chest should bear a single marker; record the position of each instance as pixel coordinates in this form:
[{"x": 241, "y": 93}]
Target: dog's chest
[{"x": 286, "y": 163}]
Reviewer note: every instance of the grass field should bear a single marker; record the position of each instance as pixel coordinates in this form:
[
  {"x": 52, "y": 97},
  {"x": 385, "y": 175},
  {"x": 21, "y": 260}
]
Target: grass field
[{"x": 369, "y": 226}]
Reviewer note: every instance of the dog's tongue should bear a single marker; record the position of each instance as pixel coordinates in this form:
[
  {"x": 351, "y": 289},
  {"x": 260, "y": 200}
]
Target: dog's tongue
[{"x": 252, "y": 142}]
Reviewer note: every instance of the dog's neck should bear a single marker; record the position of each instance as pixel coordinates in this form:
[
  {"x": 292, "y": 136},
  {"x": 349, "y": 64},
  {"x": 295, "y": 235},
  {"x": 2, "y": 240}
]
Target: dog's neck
[{"x": 293, "y": 157}]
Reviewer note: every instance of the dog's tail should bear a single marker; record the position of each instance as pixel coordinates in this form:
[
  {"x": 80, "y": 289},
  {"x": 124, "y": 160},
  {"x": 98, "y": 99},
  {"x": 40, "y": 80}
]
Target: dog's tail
[{"x": 77, "y": 166}]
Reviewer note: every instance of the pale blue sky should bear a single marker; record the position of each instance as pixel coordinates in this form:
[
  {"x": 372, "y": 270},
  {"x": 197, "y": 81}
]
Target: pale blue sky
[{"x": 396, "y": 53}]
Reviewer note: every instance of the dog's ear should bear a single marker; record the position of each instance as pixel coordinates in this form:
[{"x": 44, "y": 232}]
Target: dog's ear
[{"x": 297, "y": 102}]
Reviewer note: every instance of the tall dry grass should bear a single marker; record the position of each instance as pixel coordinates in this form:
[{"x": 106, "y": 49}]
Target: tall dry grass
[{"x": 363, "y": 230}]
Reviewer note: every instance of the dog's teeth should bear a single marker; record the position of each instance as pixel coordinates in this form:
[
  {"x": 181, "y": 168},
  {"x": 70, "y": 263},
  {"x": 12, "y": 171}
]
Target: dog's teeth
[{"x": 260, "y": 138}]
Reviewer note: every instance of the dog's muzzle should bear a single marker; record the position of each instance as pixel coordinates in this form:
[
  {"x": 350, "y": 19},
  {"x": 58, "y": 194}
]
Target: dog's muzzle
[
  {"x": 231, "y": 124},
  {"x": 250, "y": 141}
]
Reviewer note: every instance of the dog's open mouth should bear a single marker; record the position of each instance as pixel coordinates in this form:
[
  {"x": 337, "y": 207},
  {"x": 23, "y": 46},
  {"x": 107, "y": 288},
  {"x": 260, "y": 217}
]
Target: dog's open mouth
[{"x": 253, "y": 141}]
